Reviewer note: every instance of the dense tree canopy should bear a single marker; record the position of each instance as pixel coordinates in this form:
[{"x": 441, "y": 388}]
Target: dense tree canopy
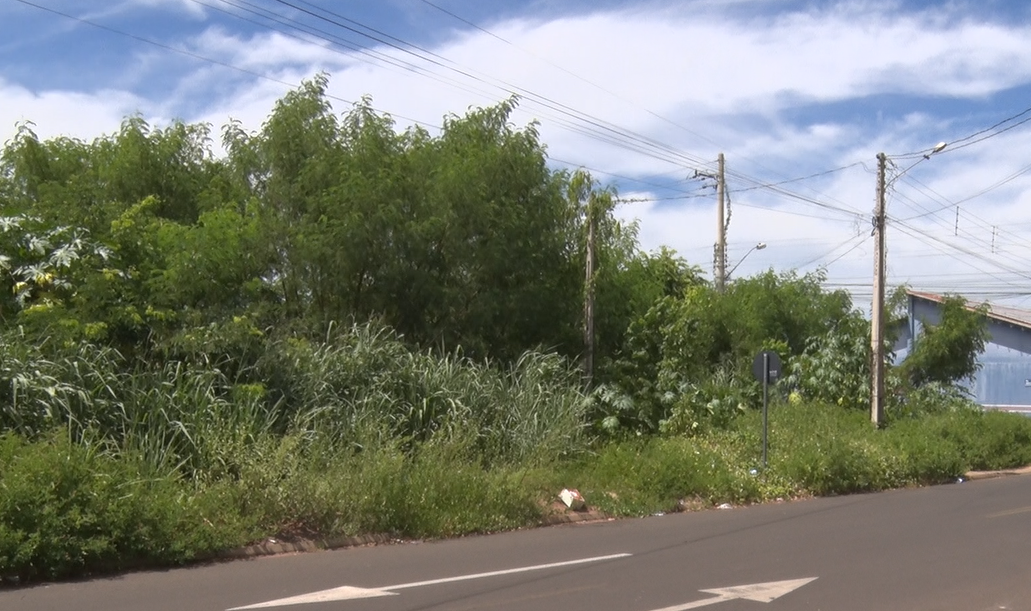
[{"x": 147, "y": 239}]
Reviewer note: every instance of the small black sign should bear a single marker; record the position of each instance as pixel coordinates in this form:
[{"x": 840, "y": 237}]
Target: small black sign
[{"x": 772, "y": 366}]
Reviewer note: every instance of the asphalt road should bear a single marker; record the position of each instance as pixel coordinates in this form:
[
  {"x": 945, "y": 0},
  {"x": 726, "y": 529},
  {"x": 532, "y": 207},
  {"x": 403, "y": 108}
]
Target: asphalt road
[{"x": 958, "y": 547}]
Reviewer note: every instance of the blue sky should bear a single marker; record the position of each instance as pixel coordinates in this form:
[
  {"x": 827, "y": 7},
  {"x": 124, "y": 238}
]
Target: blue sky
[{"x": 786, "y": 89}]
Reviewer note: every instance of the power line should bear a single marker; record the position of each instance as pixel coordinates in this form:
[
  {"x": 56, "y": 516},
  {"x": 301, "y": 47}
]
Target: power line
[
  {"x": 758, "y": 184},
  {"x": 773, "y": 210},
  {"x": 594, "y": 127},
  {"x": 938, "y": 198},
  {"x": 590, "y": 126},
  {"x": 978, "y": 221},
  {"x": 862, "y": 240},
  {"x": 646, "y": 200},
  {"x": 916, "y": 233},
  {"x": 977, "y": 137},
  {"x": 594, "y": 124},
  {"x": 952, "y": 204},
  {"x": 230, "y": 66},
  {"x": 197, "y": 56},
  {"x": 792, "y": 180},
  {"x": 612, "y": 139},
  {"x": 969, "y": 139}
]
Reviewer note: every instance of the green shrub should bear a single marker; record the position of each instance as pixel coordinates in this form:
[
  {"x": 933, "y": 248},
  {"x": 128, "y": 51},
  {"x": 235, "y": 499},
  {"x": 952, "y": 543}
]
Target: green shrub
[
  {"x": 827, "y": 450},
  {"x": 985, "y": 440},
  {"x": 314, "y": 490},
  {"x": 923, "y": 455},
  {"x": 102, "y": 470},
  {"x": 834, "y": 368},
  {"x": 68, "y": 509},
  {"x": 639, "y": 477},
  {"x": 929, "y": 398}
]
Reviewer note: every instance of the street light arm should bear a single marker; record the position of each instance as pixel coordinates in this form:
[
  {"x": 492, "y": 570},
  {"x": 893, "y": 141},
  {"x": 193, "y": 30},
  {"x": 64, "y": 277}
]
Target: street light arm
[
  {"x": 759, "y": 246},
  {"x": 934, "y": 151}
]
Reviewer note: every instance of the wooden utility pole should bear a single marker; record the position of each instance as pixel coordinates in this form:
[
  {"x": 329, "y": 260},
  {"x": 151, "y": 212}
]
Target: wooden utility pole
[
  {"x": 589, "y": 293},
  {"x": 721, "y": 229},
  {"x": 877, "y": 313}
]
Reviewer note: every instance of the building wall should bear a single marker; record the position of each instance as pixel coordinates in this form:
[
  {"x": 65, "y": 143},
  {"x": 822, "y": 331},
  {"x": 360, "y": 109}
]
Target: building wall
[
  {"x": 1004, "y": 378},
  {"x": 1005, "y": 375}
]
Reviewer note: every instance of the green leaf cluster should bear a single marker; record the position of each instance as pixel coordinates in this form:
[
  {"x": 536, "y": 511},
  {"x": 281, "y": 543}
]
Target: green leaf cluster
[{"x": 687, "y": 360}]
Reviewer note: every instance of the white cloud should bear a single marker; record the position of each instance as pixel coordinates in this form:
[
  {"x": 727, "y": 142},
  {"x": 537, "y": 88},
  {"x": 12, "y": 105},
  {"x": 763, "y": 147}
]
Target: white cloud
[
  {"x": 267, "y": 51},
  {"x": 67, "y": 113},
  {"x": 187, "y": 7},
  {"x": 728, "y": 83}
]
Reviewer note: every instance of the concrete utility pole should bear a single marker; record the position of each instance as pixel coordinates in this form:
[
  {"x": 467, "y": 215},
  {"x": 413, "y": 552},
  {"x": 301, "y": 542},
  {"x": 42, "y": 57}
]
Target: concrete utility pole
[
  {"x": 877, "y": 313},
  {"x": 721, "y": 229},
  {"x": 589, "y": 293}
]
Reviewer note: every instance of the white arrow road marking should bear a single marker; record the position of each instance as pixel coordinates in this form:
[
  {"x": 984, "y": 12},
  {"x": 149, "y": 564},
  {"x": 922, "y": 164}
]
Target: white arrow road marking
[
  {"x": 349, "y": 592},
  {"x": 324, "y": 596},
  {"x": 759, "y": 592}
]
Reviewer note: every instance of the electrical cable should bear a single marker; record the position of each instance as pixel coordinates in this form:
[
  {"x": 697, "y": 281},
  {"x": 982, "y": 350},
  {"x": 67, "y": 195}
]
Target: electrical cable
[
  {"x": 952, "y": 204},
  {"x": 656, "y": 115},
  {"x": 443, "y": 62},
  {"x": 966, "y": 141},
  {"x": 595, "y": 128},
  {"x": 197, "y": 55},
  {"x": 791, "y": 180},
  {"x": 862, "y": 239},
  {"x": 210, "y": 60},
  {"x": 994, "y": 229},
  {"x": 915, "y": 233},
  {"x": 937, "y": 197},
  {"x": 610, "y": 133},
  {"x": 970, "y": 140}
]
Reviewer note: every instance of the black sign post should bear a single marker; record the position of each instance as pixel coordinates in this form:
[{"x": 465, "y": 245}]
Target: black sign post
[{"x": 766, "y": 368}]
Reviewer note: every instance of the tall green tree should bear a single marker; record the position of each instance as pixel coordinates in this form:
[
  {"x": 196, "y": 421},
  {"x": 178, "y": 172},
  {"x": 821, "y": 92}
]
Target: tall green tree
[
  {"x": 464, "y": 238},
  {"x": 947, "y": 353}
]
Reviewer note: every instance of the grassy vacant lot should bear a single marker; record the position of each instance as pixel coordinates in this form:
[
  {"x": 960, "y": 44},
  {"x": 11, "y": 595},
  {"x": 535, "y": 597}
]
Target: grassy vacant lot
[{"x": 70, "y": 508}]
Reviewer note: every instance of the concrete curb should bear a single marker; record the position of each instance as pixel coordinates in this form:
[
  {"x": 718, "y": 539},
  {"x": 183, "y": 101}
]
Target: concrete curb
[
  {"x": 575, "y": 516},
  {"x": 975, "y": 475},
  {"x": 272, "y": 547}
]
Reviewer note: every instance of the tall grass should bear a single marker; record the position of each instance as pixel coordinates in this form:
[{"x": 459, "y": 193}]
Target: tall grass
[
  {"x": 352, "y": 435},
  {"x": 814, "y": 449},
  {"x": 365, "y": 381},
  {"x": 360, "y": 384},
  {"x": 106, "y": 463},
  {"x": 171, "y": 415}
]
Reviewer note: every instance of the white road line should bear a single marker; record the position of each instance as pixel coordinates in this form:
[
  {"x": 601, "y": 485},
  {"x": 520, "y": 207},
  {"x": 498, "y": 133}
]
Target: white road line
[
  {"x": 538, "y": 567},
  {"x": 351, "y": 592},
  {"x": 1011, "y": 512}
]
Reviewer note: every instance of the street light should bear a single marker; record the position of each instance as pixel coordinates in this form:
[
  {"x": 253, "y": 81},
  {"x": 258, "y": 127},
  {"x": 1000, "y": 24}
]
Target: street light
[
  {"x": 877, "y": 309},
  {"x": 759, "y": 246},
  {"x": 933, "y": 151},
  {"x": 937, "y": 149}
]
